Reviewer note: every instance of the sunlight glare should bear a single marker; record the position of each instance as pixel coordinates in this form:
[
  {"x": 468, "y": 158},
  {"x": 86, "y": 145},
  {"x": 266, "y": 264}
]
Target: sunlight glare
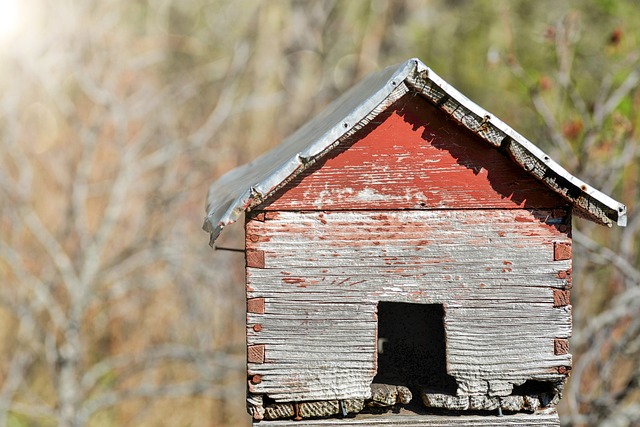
[{"x": 10, "y": 18}]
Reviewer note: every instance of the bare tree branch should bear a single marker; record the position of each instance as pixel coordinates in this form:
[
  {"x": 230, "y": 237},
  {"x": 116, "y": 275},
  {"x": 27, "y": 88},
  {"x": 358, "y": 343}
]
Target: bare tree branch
[
  {"x": 602, "y": 111},
  {"x": 608, "y": 255},
  {"x": 160, "y": 354},
  {"x": 43, "y": 300},
  {"x": 190, "y": 388}
]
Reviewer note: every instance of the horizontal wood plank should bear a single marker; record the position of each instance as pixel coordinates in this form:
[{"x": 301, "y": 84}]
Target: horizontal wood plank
[
  {"x": 413, "y": 420},
  {"x": 325, "y": 272}
]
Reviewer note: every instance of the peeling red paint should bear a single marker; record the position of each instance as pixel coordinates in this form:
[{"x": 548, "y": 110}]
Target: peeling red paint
[
  {"x": 271, "y": 215},
  {"x": 413, "y": 157},
  {"x": 256, "y": 216},
  {"x": 524, "y": 219}
]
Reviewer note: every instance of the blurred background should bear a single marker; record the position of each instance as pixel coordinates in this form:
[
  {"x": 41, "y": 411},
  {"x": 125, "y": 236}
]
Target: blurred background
[{"x": 116, "y": 115}]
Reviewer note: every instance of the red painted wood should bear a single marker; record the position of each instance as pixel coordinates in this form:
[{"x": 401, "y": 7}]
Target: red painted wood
[
  {"x": 255, "y": 305},
  {"x": 414, "y": 157},
  {"x": 562, "y": 251},
  {"x": 561, "y": 297},
  {"x": 255, "y": 259},
  {"x": 255, "y": 353},
  {"x": 561, "y": 346}
]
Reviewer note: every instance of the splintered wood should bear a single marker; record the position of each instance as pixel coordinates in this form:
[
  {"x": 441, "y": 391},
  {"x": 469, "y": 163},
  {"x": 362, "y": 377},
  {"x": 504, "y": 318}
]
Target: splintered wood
[{"x": 323, "y": 274}]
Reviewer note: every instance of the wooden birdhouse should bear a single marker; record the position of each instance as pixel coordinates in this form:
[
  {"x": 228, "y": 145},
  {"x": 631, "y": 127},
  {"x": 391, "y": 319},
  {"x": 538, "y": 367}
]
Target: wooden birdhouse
[{"x": 408, "y": 263}]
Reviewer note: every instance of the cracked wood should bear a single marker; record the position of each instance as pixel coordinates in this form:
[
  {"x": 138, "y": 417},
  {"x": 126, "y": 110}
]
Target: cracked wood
[{"x": 324, "y": 273}]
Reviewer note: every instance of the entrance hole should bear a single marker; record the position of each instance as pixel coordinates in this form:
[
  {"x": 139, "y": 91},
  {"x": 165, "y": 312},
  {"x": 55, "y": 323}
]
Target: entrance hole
[{"x": 412, "y": 347}]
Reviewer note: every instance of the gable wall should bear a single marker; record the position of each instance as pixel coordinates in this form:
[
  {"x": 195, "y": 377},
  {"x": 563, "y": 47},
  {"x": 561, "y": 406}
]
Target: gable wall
[{"x": 413, "y": 157}]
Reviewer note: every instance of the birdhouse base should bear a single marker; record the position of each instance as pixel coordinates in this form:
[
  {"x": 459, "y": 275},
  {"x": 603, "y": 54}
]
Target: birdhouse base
[{"x": 407, "y": 419}]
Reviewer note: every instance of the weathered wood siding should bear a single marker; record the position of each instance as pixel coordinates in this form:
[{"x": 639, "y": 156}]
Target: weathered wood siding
[
  {"x": 413, "y": 157},
  {"x": 410, "y": 420},
  {"x": 314, "y": 280}
]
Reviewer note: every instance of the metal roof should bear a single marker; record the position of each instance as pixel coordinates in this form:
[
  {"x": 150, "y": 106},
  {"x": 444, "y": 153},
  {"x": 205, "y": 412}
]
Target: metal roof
[{"x": 248, "y": 185}]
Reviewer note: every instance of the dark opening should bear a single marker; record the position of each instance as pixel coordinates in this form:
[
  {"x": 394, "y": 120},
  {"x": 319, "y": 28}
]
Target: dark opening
[
  {"x": 545, "y": 391},
  {"x": 412, "y": 347},
  {"x": 533, "y": 387}
]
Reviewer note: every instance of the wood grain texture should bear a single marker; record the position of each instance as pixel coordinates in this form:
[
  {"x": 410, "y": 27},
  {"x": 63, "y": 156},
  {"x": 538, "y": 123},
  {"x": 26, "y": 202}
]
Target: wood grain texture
[
  {"x": 562, "y": 251},
  {"x": 561, "y": 297},
  {"x": 413, "y": 157},
  {"x": 325, "y": 272},
  {"x": 255, "y": 353},
  {"x": 561, "y": 346},
  {"x": 405, "y": 419}
]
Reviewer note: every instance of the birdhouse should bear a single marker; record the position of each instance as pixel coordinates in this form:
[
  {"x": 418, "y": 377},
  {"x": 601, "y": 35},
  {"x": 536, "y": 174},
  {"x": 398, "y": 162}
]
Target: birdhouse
[{"x": 408, "y": 263}]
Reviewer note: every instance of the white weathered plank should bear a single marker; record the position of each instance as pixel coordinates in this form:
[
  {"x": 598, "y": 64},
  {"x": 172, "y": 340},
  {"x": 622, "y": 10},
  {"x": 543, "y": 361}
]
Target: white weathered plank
[{"x": 413, "y": 420}]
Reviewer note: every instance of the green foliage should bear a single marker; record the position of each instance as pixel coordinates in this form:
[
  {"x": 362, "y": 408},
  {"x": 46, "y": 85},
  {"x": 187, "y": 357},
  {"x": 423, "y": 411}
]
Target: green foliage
[{"x": 18, "y": 420}]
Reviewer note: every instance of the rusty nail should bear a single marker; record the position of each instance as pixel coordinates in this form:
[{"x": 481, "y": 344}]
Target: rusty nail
[
  {"x": 296, "y": 410},
  {"x": 257, "y": 327},
  {"x": 256, "y": 379},
  {"x": 562, "y": 274},
  {"x": 563, "y": 228}
]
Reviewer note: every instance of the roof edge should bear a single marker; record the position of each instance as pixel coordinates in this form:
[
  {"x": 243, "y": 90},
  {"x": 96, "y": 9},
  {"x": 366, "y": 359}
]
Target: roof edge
[
  {"x": 228, "y": 211},
  {"x": 590, "y": 202}
]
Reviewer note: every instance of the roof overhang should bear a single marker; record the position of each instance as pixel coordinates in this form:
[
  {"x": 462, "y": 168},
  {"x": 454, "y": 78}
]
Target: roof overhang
[{"x": 248, "y": 185}]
